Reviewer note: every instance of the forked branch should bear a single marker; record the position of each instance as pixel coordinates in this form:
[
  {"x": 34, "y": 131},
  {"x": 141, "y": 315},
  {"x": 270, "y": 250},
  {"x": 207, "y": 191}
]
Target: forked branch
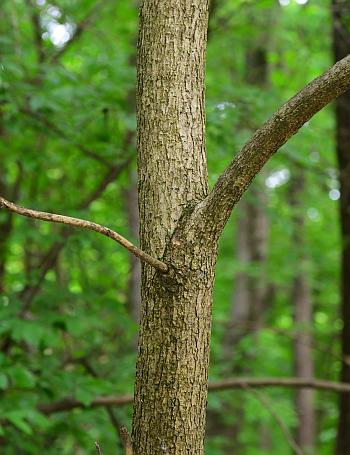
[
  {"x": 77, "y": 222},
  {"x": 215, "y": 210}
]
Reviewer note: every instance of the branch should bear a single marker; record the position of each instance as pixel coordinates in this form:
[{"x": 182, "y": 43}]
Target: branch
[
  {"x": 50, "y": 258},
  {"x": 77, "y": 222},
  {"x": 68, "y": 403},
  {"x": 266, "y": 403},
  {"x": 215, "y": 210},
  {"x": 98, "y": 448},
  {"x": 127, "y": 444},
  {"x": 61, "y": 134}
]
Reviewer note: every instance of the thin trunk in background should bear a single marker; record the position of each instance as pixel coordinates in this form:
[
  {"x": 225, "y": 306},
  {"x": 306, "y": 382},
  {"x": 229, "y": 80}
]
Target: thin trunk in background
[
  {"x": 302, "y": 303},
  {"x": 341, "y": 46},
  {"x": 6, "y": 220}
]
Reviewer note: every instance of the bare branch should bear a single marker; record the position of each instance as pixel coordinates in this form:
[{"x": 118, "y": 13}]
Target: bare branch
[
  {"x": 69, "y": 403},
  {"x": 77, "y": 222},
  {"x": 60, "y": 133},
  {"x": 267, "y": 405},
  {"x": 98, "y": 448},
  {"x": 50, "y": 258},
  {"x": 128, "y": 450},
  {"x": 215, "y": 210}
]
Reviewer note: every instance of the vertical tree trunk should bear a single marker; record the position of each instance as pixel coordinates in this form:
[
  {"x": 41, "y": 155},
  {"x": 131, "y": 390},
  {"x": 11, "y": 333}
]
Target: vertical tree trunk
[
  {"x": 301, "y": 298},
  {"x": 171, "y": 379},
  {"x": 341, "y": 42},
  {"x": 240, "y": 310},
  {"x": 6, "y": 222}
]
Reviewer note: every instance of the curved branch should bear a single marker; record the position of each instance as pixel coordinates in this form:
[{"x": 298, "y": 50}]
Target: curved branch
[
  {"x": 216, "y": 208},
  {"x": 77, "y": 222},
  {"x": 68, "y": 403}
]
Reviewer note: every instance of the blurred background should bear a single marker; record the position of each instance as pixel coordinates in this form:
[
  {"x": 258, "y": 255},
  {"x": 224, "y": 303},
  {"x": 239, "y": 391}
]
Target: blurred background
[{"x": 69, "y": 302}]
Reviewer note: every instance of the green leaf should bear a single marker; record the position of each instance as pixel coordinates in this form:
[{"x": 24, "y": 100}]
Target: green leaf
[
  {"x": 3, "y": 381},
  {"x": 21, "y": 377},
  {"x": 17, "y": 418},
  {"x": 84, "y": 396}
]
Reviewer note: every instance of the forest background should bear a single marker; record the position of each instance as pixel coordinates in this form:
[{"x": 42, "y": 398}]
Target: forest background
[{"x": 69, "y": 302}]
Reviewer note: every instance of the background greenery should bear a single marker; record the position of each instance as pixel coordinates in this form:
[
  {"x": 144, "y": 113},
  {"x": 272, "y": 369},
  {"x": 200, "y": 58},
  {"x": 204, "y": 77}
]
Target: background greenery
[{"x": 66, "y": 121}]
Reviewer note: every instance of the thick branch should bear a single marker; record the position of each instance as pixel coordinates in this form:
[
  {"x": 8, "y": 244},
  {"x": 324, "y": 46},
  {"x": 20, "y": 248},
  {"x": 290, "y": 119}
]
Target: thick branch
[
  {"x": 236, "y": 383},
  {"x": 215, "y": 210},
  {"x": 77, "y": 222}
]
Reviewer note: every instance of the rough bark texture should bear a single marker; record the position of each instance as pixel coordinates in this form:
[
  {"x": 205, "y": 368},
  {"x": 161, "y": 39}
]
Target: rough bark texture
[
  {"x": 172, "y": 366},
  {"x": 301, "y": 298},
  {"x": 341, "y": 36}
]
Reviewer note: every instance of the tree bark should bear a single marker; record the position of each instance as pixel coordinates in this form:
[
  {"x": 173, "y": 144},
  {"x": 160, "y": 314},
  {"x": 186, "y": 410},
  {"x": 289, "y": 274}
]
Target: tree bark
[
  {"x": 302, "y": 301},
  {"x": 341, "y": 46},
  {"x": 172, "y": 367}
]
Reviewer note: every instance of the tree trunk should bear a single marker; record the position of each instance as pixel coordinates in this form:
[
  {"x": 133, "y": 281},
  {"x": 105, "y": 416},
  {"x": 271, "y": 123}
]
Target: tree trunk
[
  {"x": 172, "y": 366},
  {"x": 301, "y": 298},
  {"x": 341, "y": 41}
]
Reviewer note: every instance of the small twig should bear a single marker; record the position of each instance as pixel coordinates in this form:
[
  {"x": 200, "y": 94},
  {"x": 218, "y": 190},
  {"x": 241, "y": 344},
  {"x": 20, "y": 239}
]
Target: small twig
[
  {"x": 31, "y": 290},
  {"x": 128, "y": 450},
  {"x": 77, "y": 222},
  {"x": 62, "y": 134},
  {"x": 98, "y": 447},
  {"x": 265, "y": 402}
]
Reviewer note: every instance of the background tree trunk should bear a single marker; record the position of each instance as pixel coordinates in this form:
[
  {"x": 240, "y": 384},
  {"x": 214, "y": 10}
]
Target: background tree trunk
[
  {"x": 301, "y": 299},
  {"x": 341, "y": 42},
  {"x": 248, "y": 299}
]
